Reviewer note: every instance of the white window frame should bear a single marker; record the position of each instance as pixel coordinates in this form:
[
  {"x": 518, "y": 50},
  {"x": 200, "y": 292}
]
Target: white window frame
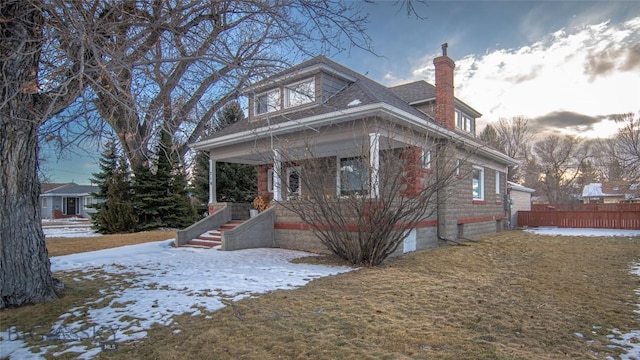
[
  {"x": 272, "y": 104},
  {"x": 480, "y": 171},
  {"x": 294, "y": 97},
  {"x": 270, "y": 174},
  {"x": 498, "y": 182},
  {"x": 426, "y": 159},
  {"x": 465, "y": 122},
  {"x": 458, "y": 163}
]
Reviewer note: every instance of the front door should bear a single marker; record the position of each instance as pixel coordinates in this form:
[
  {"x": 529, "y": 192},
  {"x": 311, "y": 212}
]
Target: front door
[{"x": 71, "y": 206}]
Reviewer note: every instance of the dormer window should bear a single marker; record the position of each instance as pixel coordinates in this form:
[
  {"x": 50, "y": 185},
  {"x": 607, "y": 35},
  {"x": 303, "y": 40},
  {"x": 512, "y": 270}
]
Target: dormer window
[
  {"x": 267, "y": 102},
  {"x": 299, "y": 93},
  {"x": 465, "y": 122}
]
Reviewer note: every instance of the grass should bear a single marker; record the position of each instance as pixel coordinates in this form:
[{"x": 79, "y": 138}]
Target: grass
[
  {"x": 513, "y": 295},
  {"x": 66, "y": 246}
]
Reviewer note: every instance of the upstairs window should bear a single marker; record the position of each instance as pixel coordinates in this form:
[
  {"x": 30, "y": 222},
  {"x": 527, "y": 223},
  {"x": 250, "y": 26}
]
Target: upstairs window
[
  {"x": 465, "y": 122},
  {"x": 497, "y": 182},
  {"x": 267, "y": 102},
  {"x": 300, "y": 93}
]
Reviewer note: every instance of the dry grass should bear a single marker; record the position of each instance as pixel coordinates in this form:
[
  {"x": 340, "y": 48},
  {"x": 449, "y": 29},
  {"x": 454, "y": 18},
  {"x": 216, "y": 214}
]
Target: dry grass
[
  {"x": 511, "y": 296},
  {"x": 66, "y": 246}
]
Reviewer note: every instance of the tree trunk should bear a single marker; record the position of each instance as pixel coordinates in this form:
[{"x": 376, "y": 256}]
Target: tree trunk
[{"x": 25, "y": 272}]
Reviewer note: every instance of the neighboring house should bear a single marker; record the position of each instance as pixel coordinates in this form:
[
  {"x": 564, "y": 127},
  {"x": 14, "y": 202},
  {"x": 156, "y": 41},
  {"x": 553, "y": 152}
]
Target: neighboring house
[
  {"x": 611, "y": 192},
  {"x": 66, "y": 200},
  {"x": 520, "y": 197},
  {"x": 334, "y": 110}
]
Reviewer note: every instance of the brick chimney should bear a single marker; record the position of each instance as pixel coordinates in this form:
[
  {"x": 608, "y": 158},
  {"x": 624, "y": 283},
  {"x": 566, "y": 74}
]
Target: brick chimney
[{"x": 445, "y": 106}]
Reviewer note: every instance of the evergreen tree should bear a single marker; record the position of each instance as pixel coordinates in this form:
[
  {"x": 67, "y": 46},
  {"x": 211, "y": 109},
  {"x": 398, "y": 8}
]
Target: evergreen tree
[
  {"x": 183, "y": 213},
  {"x": 490, "y": 136},
  {"x": 234, "y": 182},
  {"x": 150, "y": 196},
  {"x": 118, "y": 214},
  {"x": 107, "y": 164},
  {"x": 200, "y": 182}
]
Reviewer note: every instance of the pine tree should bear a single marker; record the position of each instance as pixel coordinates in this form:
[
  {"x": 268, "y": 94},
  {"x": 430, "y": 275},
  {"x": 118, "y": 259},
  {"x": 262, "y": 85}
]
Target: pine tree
[
  {"x": 200, "y": 182},
  {"x": 149, "y": 196},
  {"x": 182, "y": 214},
  {"x": 107, "y": 165},
  {"x": 491, "y": 137},
  {"x": 114, "y": 214},
  {"x": 234, "y": 182},
  {"x": 118, "y": 214}
]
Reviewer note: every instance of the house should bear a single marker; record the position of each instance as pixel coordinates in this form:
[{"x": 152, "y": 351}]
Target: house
[
  {"x": 611, "y": 192},
  {"x": 323, "y": 110},
  {"x": 519, "y": 200},
  {"x": 66, "y": 200}
]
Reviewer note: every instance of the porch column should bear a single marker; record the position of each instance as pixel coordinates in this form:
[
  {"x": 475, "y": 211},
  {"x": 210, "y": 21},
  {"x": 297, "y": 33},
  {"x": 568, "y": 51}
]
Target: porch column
[
  {"x": 212, "y": 181},
  {"x": 277, "y": 175},
  {"x": 374, "y": 164}
]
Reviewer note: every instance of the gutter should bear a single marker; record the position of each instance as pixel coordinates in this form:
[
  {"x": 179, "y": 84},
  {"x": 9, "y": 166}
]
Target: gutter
[{"x": 341, "y": 116}]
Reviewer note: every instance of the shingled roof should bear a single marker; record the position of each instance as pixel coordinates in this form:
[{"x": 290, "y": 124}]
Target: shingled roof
[{"x": 362, "y": 91}]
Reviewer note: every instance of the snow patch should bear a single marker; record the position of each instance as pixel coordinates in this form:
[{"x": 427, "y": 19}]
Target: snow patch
[{"x": 354, "y": 102}]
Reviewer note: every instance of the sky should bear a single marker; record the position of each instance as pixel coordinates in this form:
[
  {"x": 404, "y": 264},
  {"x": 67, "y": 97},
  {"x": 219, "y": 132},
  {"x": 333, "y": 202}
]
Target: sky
[
  {"x": 187, "y": 285},
  {"x": 565, "y": 65}
]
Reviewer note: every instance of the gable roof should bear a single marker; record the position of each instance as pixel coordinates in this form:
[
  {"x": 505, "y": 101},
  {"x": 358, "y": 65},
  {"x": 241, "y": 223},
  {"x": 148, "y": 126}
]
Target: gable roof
[
  {"x": 44, "y": 187},
  {"x": 71, "y": 189}
]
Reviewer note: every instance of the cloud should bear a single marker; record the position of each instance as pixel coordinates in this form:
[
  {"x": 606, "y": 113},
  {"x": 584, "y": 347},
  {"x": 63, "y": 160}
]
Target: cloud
[{"x": 565, "y": 79}]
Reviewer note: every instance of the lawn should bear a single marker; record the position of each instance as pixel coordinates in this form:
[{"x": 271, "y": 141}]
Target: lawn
[{"x": 513, "y": 295}]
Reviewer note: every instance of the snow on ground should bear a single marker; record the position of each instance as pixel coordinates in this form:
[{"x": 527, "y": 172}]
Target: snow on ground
[
  {"x": 151, "y": 282},
  {"x": 154, "y": 281},
  {"x": 68, "y": 231},
  {"x": 582, "y": 232}
]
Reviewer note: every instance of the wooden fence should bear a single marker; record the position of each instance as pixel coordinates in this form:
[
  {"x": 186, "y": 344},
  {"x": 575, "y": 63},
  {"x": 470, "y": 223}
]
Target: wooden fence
[{"x": 628, "y": 220}]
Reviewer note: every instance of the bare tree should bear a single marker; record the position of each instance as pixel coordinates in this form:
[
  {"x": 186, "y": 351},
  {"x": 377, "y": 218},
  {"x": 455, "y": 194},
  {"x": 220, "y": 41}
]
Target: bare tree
[
  {"x": 30, "y": 95},
  {"x": 627, "y": 146},
  {"x": 70, "y": 68},
  {"x": 560, "y": 161},
  {"x": 172, "y": 66},
  {"x": 515, "y": 135},
  {"x": 364, "y": 213}
]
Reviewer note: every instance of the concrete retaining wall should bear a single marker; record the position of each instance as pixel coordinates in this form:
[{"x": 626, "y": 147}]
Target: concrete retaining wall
[{"x": 256, "y": 232}]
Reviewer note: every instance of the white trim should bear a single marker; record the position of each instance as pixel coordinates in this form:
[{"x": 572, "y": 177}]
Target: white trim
[
  {"x": 277, "y": 179},
  {"x": 349, "y": 114},
  {"x": 481, "y": 182},
  {"x": 270, "y": 180},
  {"x": 374, "y": 163},
  {"x": 212, "y": 181},
  {"x": 291, "y": 88},
  {"x": 497, "y": 181}
]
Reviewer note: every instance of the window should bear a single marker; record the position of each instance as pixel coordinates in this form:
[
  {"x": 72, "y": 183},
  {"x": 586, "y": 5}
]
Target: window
[
  {"x": 464, "y": 122},
  {"x": 458, "y": 167},
  {"x": 478, "y": 183},
  {"x": 44, "y": 202},
  {"x": 270, "y": 180},
  {"x": 300, "y": 93},
  {"x": 293, "y": 182},
  {"x": 267, "y": 102},
  {"x": 426, "y": 159},
  {"x": 89, "y": 201},
  {"x": 497, "y": 182},
  {"x": 353, "y": 176}
]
